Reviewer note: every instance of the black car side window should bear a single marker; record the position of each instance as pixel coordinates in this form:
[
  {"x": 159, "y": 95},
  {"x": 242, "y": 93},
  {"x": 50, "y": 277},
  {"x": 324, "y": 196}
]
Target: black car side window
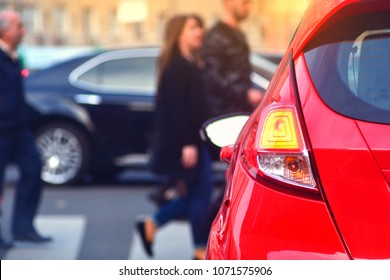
[
  {"x": 118, "y": 75},
  {"x": 129, "y": 72}
]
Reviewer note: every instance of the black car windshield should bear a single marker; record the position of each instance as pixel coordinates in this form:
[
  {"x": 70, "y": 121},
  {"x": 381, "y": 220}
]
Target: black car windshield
[{"x": 350, "y": 66}]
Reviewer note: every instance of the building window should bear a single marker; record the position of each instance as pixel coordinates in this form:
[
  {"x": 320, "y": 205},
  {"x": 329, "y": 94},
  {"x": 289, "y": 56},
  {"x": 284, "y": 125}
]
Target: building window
[
  {"x": 28, "y": 15},
  {"x": 160, "y": 27},
  {"x": 86, "y": 25},
  {"x": 60, "y": 25},
  {"x": 138, "y": 30},
  {"x": 113, "y": 26}
]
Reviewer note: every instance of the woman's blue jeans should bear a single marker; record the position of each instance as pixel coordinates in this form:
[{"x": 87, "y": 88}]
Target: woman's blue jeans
[{"x": 195, "y": 204}]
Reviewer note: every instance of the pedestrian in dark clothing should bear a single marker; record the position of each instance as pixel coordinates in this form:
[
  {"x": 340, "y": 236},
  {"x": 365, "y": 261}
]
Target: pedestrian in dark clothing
[
  {"x": 227, "y": 70},
  {"x": 227, "y": 67},
  {"x": 179, "y": 152},
  {"x": 16, "y": 140}
]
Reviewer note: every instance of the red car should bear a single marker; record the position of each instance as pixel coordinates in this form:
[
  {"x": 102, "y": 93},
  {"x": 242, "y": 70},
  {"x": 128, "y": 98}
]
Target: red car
[{"x": 309, "y": 175}]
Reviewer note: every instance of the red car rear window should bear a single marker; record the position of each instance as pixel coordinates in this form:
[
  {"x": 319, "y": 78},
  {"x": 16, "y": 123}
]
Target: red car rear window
[{"x": 349, "y": 64}]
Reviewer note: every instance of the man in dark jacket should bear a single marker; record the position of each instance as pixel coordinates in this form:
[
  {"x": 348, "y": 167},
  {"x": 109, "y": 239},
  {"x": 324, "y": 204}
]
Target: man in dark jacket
[
  {"x": 227, "y": 66},
  {"x": 16, "y": 140},
  {"x": 227, "y": 69}
]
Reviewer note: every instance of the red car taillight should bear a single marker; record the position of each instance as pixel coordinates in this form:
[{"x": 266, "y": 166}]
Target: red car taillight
[{"x": 276, "y": 147}]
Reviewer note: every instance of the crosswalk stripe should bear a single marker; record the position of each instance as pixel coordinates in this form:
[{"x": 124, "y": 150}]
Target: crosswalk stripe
[
  {"x": 67, "y": 232},
  {"x": 173, "y": 242}
]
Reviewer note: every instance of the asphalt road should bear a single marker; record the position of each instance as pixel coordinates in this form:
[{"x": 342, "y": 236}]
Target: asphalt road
[{"x": 95, "y": 222}]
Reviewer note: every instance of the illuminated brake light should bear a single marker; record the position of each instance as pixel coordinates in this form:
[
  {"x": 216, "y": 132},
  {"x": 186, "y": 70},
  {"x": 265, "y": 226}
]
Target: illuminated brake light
[
  {"x": 275, "y": 148},
  {"x": 280, "y": 130},
  {"x": 282, "y": 154},
  {"x": 278, "y": 149}
]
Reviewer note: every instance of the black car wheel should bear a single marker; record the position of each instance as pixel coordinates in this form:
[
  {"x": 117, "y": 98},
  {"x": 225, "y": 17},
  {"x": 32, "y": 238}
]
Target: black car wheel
[{"x": 65, "y": 153}]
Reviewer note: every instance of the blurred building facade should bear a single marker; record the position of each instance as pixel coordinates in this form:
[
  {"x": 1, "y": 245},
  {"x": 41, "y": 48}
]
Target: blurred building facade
[{"x": 123, "y": 23}]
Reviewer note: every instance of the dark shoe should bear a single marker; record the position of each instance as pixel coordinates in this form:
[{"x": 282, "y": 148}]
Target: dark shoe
[
  {"x": 32, "y": 236},
  {"x": 140, "y": 225},
  {"x": 5, "y": 245}
]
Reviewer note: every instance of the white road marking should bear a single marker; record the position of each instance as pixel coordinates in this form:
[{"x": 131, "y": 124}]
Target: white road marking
[
  {"x": 67, "y": 232},
  {"x": 173, "y": 242}
]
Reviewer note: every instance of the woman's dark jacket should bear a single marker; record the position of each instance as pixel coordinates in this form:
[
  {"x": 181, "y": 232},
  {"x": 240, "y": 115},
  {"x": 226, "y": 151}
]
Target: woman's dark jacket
[
  {"x": 227, "y": 70},
  {"x": 180, "y": 113}
]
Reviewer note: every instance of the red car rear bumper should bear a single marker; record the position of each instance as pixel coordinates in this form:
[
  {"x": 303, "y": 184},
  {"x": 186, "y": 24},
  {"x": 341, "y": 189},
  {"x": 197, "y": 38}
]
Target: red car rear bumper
[{"x": 263, "y": 223}]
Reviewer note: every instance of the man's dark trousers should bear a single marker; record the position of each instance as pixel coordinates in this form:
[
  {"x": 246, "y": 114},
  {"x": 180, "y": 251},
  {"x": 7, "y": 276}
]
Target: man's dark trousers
[{"x": 19, "y": 147}]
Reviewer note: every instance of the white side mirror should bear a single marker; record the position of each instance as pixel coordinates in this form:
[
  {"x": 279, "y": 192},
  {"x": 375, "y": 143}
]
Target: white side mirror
[{"x": 224, "y": 130}]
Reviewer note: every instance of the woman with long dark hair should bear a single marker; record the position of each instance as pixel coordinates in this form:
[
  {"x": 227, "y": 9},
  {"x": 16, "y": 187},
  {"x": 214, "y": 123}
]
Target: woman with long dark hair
[{"x": 179, "y": 152}]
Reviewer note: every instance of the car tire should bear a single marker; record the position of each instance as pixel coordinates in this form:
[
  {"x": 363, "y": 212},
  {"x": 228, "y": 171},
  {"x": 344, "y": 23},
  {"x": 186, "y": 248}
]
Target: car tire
[{"x": 65, "y": 153}]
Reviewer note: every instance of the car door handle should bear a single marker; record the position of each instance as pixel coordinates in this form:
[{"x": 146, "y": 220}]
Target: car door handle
[{"x": 89, "y": 99}]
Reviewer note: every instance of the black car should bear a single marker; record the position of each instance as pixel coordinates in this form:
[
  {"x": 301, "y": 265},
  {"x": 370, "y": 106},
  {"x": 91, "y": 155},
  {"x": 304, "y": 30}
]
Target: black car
[{"x": 94, "y": 114}]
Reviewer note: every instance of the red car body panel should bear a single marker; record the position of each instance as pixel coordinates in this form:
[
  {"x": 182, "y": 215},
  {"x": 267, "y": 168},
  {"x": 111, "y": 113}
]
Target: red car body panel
[
  {"x": 348, "y": 218},
  {"x": 319, "y": 13},
  {"x": 379, "y": 145},
  {"x": 262, "y": 223},
  {"x": 257, "y": 221}
]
